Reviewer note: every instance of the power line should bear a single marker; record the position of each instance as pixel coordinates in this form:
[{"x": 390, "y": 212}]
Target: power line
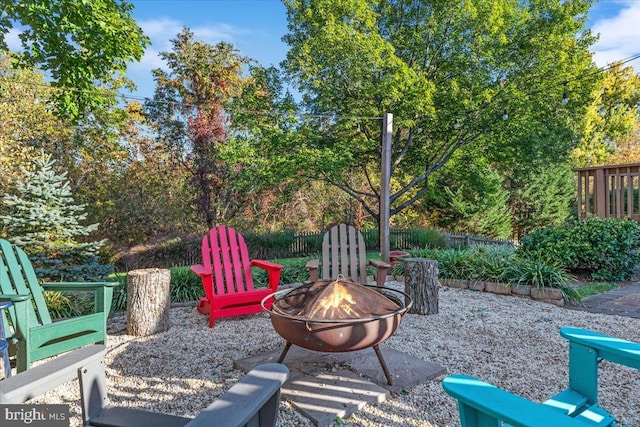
[{"x": 149, "y": 100}]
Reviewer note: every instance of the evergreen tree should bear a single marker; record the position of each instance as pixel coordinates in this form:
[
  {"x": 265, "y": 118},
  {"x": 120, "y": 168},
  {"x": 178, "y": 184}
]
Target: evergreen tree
[
  {"x": 468, "y": 196},
  {"x": 44, "y": 221},
  {"x": 542, "y": 198}
]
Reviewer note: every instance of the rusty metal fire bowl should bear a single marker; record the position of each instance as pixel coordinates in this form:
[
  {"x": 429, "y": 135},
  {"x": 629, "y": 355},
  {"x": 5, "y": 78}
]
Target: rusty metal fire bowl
[{"x": 362, "y": 317}]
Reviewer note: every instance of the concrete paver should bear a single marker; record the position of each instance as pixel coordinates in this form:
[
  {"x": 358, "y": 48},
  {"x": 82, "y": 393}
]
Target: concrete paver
[
  {"x": 623, "y": 301},
  {"x": 324, "y": 386}
]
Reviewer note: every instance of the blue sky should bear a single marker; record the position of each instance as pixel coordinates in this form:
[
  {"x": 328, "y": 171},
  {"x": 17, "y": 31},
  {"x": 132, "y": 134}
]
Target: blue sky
[{"x": 256, "y": 27}]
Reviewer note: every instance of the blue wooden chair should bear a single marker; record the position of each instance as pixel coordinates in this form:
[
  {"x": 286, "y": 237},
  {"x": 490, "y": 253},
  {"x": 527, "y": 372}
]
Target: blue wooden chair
[
  {"x": 483, "y": 405},
  {"x": 4, "y": 345}
]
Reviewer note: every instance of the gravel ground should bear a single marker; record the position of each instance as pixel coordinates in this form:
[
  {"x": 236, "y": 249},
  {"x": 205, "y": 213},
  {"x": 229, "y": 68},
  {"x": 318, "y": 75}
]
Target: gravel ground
[{"x": 508, "y": 341}]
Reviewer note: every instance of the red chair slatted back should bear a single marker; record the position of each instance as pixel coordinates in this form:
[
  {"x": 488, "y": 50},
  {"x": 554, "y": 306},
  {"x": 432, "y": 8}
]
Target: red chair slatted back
[{"x": 225, "y": 252}]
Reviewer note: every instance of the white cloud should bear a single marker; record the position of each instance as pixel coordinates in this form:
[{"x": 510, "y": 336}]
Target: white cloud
[
  {"x": 161, "y": 31},
  {"x": 219, "y": 32},
  {"x": 149, "y": 61},
  {"x": 619, "y": 35},
  {"x": 13, "y": 40}
]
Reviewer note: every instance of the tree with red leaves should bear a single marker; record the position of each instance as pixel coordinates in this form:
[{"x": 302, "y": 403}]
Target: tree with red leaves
[{"x": 189, "y": 112}]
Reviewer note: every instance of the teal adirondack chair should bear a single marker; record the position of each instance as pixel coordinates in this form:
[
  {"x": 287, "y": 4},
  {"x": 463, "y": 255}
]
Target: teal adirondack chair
[
  {"x": 31, "y": 333},
  {"x": 484, "y": 405}
]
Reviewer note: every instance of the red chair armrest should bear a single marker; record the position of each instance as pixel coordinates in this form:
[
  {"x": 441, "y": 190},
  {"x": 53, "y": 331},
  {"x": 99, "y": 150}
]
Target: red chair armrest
[
  {"x": 266, "y": 265},
  {"x": 200, "y": 271},
  {"x": 274, "y": 271}
]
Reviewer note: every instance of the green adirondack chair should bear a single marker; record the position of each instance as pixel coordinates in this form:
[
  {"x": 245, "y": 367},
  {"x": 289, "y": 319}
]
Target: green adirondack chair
[
  {"x": 31, "y": 333},
  {"x": 483, "y": 405}
]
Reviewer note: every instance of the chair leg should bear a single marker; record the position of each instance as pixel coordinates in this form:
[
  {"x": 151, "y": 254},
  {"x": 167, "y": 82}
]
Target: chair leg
[
  {"x": 23, "y": 358},
  {"x": 93, "y": 389}
]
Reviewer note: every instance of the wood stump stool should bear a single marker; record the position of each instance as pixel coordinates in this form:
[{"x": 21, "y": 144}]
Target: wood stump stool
[
  {"x": 421, "y": 284},
  {"x": 148, "y": 301}
]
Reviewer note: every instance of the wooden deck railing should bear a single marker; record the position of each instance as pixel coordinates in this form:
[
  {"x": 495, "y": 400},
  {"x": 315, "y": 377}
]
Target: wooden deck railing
[{"x": 609, "y": 191}]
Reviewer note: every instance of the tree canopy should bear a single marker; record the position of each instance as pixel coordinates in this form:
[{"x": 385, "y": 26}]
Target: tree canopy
[
  {"x": 448, "y": 72},
  {"x": 194, "y": 113},
  {"x": 84, "y": 46}
]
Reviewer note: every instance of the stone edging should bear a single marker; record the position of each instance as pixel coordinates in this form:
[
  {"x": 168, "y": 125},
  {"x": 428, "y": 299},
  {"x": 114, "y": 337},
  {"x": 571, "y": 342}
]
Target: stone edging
[{"x": 548, "y": 295}]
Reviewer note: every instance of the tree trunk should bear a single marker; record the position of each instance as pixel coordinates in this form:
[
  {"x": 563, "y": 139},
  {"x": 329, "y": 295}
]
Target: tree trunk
[
  {"x": 421, "y": 284},
  {"x": 148, "y": 300}
]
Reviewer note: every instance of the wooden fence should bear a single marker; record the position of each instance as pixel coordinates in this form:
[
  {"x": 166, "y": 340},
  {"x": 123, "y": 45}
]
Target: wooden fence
[
  {"x": 186, "y": 250},
  {"x": 609, "y": 191},
  {"x": 295, "y": 245}
]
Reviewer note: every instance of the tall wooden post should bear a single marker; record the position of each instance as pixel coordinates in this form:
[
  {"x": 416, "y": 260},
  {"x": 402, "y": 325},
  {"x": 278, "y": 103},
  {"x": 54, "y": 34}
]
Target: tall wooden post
[{"x": 385, "y": 187}]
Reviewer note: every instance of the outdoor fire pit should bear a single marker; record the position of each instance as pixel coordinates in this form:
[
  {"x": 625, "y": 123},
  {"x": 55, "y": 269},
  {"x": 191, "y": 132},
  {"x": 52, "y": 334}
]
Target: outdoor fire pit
[{"x": 337, "y": 316}]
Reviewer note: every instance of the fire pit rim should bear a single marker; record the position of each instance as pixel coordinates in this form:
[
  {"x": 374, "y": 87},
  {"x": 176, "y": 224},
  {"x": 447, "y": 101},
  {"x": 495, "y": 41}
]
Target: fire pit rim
[{"x": 400, "y": 311}]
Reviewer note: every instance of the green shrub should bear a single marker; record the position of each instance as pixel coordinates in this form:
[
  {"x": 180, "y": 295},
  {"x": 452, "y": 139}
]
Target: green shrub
[
  {"x": 496, "y": 264},
  {"x": 371, "y": 238},
  {"x": 294, "y": 271},
  {"x": 119, "y": 301},
  {"x": 425, "y": 238},
  {"x": 313, "y": 243},
  {"x": 263, "y": 246},
  {"x": 60, "y": 305},
  {"x": 487, "y": 263},
  {"x": 604, "y": 248}
]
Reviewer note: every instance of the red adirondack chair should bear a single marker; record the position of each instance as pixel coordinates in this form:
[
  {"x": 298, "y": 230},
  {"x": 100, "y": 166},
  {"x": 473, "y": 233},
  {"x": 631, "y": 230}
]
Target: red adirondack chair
[{"x": 226, "y": 276}]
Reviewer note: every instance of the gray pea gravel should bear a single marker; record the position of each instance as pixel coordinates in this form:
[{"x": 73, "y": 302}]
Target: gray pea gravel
[{"x": 508, "y": 341}]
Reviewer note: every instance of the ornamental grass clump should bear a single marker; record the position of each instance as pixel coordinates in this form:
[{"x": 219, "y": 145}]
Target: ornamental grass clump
[
  {"x": 185, "y": 285},
  {"x": 486, "y": 263},
  {"x": 540, "y": 273},
  {"x": 498, "y": 264}
]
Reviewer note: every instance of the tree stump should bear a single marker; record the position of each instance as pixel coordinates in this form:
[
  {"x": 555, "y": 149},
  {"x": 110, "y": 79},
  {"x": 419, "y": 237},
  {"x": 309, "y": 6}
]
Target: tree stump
[
  {"x": 421, "y": 284},
  {"x": 148, "y": 301}
]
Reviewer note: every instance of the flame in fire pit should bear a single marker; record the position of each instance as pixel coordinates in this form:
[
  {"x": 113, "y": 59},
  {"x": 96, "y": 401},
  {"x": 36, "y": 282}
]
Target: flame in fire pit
[
  {"x": 336, "y": 300},
  {"x": 334, "y": 303}
]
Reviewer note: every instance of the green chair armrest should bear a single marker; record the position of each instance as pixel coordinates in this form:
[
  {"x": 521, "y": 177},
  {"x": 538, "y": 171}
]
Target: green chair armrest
[
  {"x": 15, "y": 297},
  {"x": 477, "y": 399},
  {"x": 77, "y": 286}
]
